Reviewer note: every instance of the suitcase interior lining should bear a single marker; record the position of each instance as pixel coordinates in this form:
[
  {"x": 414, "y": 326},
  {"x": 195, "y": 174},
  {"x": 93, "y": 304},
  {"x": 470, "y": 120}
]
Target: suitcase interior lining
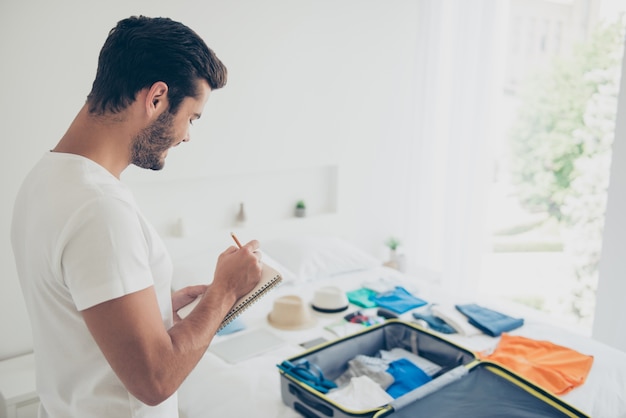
[
  {"x": 482, "y": 393},
  {"x": 333, "y": 359}
]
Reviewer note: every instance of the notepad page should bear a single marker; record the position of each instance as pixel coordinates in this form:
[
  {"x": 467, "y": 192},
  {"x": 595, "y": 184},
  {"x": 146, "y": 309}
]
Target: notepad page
[{"x": 270, "y": 278}]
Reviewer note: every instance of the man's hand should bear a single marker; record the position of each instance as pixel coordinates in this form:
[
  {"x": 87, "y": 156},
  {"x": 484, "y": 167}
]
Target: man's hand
[
  {"x": 185, "y": 296},
  {"x": 238, "y": 270}
]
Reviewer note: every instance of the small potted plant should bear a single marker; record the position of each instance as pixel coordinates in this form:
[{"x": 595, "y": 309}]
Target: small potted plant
[
  {"x": 395, "y": 260},
  {"x": 393, "y": 243},
  {"x": 300, "y": 209}
]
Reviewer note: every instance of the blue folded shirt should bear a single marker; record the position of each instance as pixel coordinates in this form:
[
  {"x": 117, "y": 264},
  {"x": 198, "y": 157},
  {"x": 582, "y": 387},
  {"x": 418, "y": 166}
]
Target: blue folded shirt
[
  {"x": 398, "y": 300},
  {"x": 489, "y": 321},
  {"x": 407, "y": 376}
]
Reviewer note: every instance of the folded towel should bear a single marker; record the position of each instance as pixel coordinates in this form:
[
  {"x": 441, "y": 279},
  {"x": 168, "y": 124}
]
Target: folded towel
[
  {"x": 398, "y": 300},
  {"x": 489, "y": 321}
]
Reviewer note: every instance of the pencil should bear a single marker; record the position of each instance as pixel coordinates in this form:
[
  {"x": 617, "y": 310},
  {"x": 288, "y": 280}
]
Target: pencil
[{"x": 236, "y": 240}]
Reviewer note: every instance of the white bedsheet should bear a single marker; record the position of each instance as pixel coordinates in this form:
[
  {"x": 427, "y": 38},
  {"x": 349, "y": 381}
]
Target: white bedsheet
[{"x": 251, "y": 388}]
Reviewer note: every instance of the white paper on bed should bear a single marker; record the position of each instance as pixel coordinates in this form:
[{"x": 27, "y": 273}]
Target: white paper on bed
[{"x": 243, "y": 346}]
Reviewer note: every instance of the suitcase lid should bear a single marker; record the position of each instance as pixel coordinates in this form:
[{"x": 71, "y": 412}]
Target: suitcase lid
[{"x": 487, "y": 390}]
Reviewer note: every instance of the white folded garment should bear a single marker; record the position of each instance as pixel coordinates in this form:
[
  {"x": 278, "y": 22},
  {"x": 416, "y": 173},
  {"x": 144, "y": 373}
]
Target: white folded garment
[
  {"x": 362, "y": 393},
  {"x": 455, "y": 319},
  {"x": 373, "y": 367}
]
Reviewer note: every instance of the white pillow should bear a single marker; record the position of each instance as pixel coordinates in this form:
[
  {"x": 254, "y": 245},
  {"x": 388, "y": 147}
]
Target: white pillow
[
  {"x": 309, "y": 258},
  {"x": 285, "y": 273}
]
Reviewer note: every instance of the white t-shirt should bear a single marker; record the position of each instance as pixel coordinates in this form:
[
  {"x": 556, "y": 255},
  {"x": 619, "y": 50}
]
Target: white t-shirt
[{"x": 79, "y": 240}]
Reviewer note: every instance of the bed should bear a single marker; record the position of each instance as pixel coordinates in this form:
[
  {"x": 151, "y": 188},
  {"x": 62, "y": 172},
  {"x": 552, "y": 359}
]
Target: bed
[{"x": 249, "y": 385}]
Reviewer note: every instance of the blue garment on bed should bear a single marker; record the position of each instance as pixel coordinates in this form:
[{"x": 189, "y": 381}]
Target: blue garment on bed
[
  {"x": 362, "y": 297},
  {"x": 407, "y": 376},
  {"x": 235, "y": 326},
  {"x": 434, "y": 322},
  {"x": 398, "y": 300},
  {"x": 489, "y": 321}
]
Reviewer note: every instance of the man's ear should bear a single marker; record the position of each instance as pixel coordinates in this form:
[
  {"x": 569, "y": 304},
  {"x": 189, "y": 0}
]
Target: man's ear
[{"x": 156, "y": 99}]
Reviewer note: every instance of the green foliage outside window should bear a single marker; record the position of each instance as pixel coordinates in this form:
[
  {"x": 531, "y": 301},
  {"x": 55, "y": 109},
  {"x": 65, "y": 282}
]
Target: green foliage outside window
[
  {"x": 550, "y": 133},
  {"x": 561, "y": 149}
]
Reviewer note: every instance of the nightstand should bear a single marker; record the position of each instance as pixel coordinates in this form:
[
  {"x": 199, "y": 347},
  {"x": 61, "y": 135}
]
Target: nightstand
[{"x": 18, "y": 396}]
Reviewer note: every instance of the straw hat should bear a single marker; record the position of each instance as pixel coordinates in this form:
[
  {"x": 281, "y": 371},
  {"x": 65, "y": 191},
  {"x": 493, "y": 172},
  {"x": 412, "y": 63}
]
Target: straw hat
[
  {"x": 290, "y": 313},
  {"x": 330, "y": 299}
]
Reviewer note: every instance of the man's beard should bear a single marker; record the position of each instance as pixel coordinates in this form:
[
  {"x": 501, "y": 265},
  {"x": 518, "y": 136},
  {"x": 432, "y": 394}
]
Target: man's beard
[{"x": 150, "y": 144}]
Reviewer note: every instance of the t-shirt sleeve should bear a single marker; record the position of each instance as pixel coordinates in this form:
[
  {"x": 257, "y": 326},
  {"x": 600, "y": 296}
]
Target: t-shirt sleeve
[{"x": 105, "y": 253}]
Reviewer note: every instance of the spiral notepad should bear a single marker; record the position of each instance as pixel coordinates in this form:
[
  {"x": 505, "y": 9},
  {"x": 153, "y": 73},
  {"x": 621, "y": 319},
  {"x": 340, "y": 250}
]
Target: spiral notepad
[{"x": 270, "y": 278}]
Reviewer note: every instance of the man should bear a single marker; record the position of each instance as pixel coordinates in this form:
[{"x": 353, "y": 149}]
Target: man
[{"x": 95, "y": 275}]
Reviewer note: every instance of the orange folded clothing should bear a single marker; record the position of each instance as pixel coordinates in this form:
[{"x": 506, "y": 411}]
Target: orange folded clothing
[{"x": 555, "y": 368}]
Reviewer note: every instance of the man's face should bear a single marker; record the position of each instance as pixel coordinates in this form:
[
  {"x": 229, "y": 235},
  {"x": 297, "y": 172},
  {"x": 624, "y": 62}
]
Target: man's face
[{"x": 150, "y": 146}]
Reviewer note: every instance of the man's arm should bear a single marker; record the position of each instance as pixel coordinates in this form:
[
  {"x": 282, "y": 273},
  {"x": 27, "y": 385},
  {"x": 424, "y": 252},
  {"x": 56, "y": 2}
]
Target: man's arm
[{"x": 152, "y": 361}]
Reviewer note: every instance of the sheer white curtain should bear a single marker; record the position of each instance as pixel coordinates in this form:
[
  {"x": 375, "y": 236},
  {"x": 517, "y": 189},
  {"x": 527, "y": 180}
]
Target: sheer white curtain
[{"x": 459, "y": 68}]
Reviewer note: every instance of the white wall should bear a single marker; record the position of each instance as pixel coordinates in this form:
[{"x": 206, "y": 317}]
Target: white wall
[
  {"x": 312, "y": 84},
  {"x": 315, "y": 86}
]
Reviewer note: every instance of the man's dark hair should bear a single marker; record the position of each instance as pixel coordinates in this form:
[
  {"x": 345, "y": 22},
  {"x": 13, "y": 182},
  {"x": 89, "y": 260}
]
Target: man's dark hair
[{"x": 141, "y": 51}]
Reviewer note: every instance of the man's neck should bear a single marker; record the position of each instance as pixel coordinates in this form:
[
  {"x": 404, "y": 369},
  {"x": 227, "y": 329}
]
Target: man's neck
[{"x": 104, "y": 139}]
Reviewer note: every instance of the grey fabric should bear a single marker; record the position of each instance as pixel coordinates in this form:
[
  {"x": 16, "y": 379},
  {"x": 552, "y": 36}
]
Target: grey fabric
[
  {"x": 430, "y": 387},
  {"x": 333, "y": 359},
  {"x": 372, "y": 367},
  {"x": 480, "y": 394}
]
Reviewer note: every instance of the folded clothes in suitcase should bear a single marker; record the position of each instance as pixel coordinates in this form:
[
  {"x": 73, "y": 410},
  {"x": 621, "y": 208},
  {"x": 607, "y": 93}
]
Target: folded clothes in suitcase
[{"x": 461, "y": 384}]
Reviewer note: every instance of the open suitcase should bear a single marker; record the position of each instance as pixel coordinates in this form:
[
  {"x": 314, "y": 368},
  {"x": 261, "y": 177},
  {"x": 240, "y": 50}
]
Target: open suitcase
[{"x": 465, "y": 386}]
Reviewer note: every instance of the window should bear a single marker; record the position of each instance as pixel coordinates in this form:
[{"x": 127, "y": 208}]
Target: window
[{"x": 551, "y": 169}]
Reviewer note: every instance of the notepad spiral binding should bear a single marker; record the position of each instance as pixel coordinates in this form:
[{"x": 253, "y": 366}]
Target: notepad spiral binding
[{"x": 249, "y": 301}]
